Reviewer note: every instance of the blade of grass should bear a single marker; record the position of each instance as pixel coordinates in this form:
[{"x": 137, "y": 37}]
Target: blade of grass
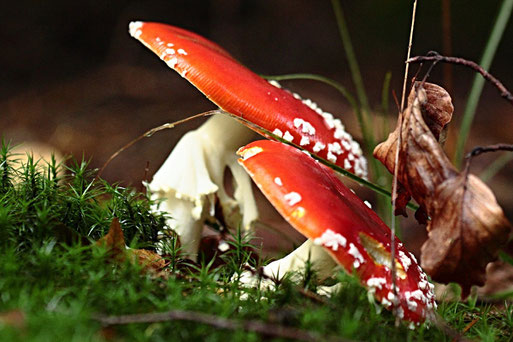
[
  {"x": 300, "y": 76},
  {"x": 353, "y": 62},
  {"x": 385, "y": 93},
  {"x": 477, "y": 86},
  {"x": 385, "y": 180},
  {"x": 367, "y": 133},
  {"x": 496, "y": 166},
  {"x": 374, "y": 187},
  {"x": 396, "y": 170}
]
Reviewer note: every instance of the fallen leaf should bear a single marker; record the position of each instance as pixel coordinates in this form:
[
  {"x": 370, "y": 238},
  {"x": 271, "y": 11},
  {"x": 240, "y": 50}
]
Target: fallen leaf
[
  {"x": 13, "y": 318},
  {"x": 467, "y": 226},
  {"x": 114, "y": 242}
]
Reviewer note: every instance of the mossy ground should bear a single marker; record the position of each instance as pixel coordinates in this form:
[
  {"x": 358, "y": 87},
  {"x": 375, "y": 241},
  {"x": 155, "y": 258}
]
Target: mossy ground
[{"x": 53, "y": 275}]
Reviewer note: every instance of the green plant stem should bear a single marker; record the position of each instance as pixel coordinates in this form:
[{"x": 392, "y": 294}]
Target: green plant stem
[
  {"x": 496, "y": 166},
  {"x": 374, "y": 187},
  {"x": 313, "y": 77},
  {"x": 351, "y": 58},
  {"x": 384, "y": 93},
  {"x": 368, "y": 137},
  {"x": 477, "y": 85}
]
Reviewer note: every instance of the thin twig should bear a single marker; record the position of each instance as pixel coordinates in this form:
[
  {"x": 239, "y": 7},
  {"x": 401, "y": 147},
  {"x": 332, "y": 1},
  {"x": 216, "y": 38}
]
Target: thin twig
[
  {"x": 467, "y": 328},
  {"x": 490, "y": 148},
  {"x": 396, "y": 169},
  {"x": 442, "y": 325},
  {"x": 433, "y": 56},
  {"x": 152, "y": 131},
  {"x": 447, "y": 42},
  {"x": 478, "y": 150},
  {"x": 410, "y": 43},
  {"x": 268, "y": 329}
]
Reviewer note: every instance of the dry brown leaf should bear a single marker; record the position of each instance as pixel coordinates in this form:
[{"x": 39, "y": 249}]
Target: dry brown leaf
[
  {"x": 13, "y": 318},
  {"x": 467, "y": 225},
  {"x": 114, "y": 241}
]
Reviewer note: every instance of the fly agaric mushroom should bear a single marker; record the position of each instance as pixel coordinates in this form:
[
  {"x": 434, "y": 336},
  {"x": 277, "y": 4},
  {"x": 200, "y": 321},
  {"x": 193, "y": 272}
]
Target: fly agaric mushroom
[
  {"x": 239, "y": 91},
  {"x": 316, "y": 203}
]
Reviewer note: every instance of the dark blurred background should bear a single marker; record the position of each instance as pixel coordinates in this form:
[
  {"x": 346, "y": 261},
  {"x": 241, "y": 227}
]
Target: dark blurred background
[{"x": 74, "y": 80}]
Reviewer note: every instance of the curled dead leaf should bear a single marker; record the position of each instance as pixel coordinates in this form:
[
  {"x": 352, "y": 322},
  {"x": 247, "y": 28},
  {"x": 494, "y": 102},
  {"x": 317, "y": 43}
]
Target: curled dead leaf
[
  {"x": 114, "y": 242},
  {"x": 467, "y": 225}
]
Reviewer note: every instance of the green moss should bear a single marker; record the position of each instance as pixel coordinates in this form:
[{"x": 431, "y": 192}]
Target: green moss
[{"x": 49, "y": 271}]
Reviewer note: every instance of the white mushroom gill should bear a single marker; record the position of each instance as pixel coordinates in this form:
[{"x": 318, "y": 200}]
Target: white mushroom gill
[{"x": 193, "y": 175}]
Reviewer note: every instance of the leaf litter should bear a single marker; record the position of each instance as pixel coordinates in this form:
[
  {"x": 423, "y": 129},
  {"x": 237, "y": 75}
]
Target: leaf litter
[{"x": 466, "y": 226}]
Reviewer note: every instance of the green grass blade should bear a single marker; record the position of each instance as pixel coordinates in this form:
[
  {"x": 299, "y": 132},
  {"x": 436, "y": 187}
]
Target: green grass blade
[
  {"x": 385, "y": 93},
  {"x": 477, "y": 85},
  {"x": 496, "y": 166},
  {"x": 374, "y": 187},
  {"x": 314, "y": 77}
]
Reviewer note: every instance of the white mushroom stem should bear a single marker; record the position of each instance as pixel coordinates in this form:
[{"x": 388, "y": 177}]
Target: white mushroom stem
[
  {"x": 294, "y": 264},
  {"x": 194, "y": 173}
]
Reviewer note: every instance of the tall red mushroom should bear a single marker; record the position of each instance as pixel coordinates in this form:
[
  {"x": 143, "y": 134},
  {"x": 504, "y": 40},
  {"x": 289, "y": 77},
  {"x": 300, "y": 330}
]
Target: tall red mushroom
[
  {"x": 316, "y": 203},
  {"x": 239, "y": 91}
]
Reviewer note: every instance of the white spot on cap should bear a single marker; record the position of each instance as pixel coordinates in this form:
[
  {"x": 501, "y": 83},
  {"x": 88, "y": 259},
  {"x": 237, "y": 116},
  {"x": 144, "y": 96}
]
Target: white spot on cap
[
  {"x": 298, "y": 122},
  {"x": 335, "y": 148},
  {"x": 287, "y": 136},
  {"x": 170, "y": 51},
  {"x": 331, "y": 240},
  {"x": 367, "y": 203},
  {"x": 278, "y": 133},
  {"x": 274, "y": 83},
  {"x": 134, "y": 28},
  {"x": 278, "y": 181},
  {"x": 331, "y": 157},
  {"x": 172, "y": 62},
  {"x": 405, "y": 260},
  {"x": 319, "y": 146},
  {"x": 304, "y": 141},
  {"x": 182, "y": 52},
  {"x": 353, "y": 250},
  {"x": 306, "y": 126},
  {"x": 292, "y": 198},
  {"x": 376, "y": 282}
]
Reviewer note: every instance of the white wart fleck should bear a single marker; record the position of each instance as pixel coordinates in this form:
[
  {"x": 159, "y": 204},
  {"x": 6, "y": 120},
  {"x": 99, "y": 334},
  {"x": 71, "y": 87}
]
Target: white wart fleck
[
  {"x": 353, "y": 250},
  {"x": 304, "y": 141},
  {"x": 319, "y": 146},
  {"x": 287, "y": 136},
  {"x": 292, "y": 198},
  {"x": 331, "y": 240},
  {"x": 278, "y": 133}
]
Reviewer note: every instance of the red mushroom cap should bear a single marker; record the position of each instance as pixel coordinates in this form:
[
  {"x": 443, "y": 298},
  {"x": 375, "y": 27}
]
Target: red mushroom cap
[
  {"x": 239, "y": 91},
  {"x": 316, "y": 203}
]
